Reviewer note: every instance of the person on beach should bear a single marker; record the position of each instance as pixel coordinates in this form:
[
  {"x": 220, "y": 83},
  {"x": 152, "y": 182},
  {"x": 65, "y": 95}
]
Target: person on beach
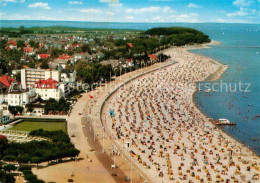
[{"x": 169, "y": 137}]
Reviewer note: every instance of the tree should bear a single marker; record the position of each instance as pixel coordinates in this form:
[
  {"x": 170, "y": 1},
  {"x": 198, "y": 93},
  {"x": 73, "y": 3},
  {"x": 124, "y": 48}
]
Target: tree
[
  {"x": 55, "y": 52},
  {"x": 9, "y": 167},
  {"x": 30, "y": 109},
  {"x": 36, "y": 160},
  {"x": 15, "y": 109},
  {"x": 151, "y": 44},
  {"x": 3, "y": 43},
  {"x": 44, "y": 64},
  {"x": 3, "y": 146},
  {"x": 3, "y": 66},
  {"x": 86, "y": 48},
  {"x": 20, "y": 44}
]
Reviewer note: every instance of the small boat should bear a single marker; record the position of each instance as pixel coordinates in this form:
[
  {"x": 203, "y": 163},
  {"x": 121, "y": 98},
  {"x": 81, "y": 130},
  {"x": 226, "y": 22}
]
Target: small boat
[
  {"x": 224, "y": 122},
  {"x": 257, "y": 116},
  {"x": 207, "y": 90}
]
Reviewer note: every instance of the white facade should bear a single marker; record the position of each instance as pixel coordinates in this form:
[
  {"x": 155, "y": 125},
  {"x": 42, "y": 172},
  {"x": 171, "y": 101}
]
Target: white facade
[
  {"x": 20, "y": 97},
  {"x": 4, "y": 118},
  {"x": 65, "y": 89},
  {"x": 30, "y": 76},
  {"x": 47, "y": 93},
  {"x": 69, "y": 77}
]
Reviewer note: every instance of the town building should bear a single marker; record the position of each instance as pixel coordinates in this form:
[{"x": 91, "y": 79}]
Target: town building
[
  {"x": 30, "y": 76},
  {"x": 12, "y": 94},
  {"x": 42, "y": 56},
  {"x": 47, "y": 89}
]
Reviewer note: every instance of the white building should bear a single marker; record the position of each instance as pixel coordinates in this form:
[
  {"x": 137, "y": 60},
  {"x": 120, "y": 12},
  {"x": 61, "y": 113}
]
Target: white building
[
  {"x": 68, "y": 76},
  {"x": 30, "y": 76},
  {"x": 65, "y": 89},
  {"x": 47, "y": 89},
  {"x": 20, "y": 97},
  {"x": 4, "y": 118}
]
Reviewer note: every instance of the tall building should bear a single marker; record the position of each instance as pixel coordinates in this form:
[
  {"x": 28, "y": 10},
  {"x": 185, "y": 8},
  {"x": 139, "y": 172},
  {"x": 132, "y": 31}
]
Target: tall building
[{"x": 30, "y": 76}]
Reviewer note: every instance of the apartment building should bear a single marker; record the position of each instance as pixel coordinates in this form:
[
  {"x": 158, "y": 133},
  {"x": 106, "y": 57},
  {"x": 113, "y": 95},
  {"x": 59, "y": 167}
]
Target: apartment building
[{"x": 30, "y": 76}]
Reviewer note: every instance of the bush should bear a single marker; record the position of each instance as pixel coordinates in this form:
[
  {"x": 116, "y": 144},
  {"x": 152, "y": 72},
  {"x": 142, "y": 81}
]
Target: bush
[{"x": 24, "y": 167}]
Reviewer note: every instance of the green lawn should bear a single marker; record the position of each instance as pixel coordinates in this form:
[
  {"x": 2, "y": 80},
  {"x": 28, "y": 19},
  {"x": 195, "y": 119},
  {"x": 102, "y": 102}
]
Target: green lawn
[{"x": 30, "y": 126}]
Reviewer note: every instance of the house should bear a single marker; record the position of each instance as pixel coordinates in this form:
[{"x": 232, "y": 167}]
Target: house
[
  {"x": 12, "y": 44},
  {"x": 62, "y": 60},
  {"x": 76, "y": 45},
  {"x": 80, "y": 56},
  {"x": 152, "y": 56},
  {"x": 12, "y": 94},
  {"x": 130, "y": 45},
  {"x": 5, "y": 83},
  {"x": 20, "y": 97},
  {"x": 68, "y": 76},
  {"x": 4, "y": 119},
  {"x": 43, "y": 56},
  {"x": 29, "y": 51},
  {"x": 38, "y": 108},
  {"x": 47, "y": 89}
]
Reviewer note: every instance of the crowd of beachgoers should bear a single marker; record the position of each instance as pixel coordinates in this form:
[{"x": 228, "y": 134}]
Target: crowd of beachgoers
[{"x": 156, "y": 122}]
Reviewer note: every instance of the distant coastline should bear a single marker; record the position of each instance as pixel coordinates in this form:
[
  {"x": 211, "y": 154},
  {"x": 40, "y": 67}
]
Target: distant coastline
[{"x": 103, "y": 25}]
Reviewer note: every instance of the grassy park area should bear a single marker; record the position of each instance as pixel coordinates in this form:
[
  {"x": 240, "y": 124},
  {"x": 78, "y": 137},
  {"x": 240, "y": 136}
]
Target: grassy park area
[{"x": 31, "y": 126}]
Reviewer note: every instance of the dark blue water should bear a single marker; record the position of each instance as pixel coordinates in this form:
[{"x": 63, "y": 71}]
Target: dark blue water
[{"x": 240, "y": 45}]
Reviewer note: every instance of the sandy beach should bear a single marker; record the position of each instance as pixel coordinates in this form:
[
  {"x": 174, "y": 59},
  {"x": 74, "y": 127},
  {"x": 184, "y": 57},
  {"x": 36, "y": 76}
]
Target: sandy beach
[
  {"x": 95, "y": 166},
  {"x": 158, "y": 126}
]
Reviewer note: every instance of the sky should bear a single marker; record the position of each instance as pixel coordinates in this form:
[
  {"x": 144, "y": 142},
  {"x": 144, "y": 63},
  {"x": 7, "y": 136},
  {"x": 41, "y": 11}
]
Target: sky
[{"x": 156, "y": 11}]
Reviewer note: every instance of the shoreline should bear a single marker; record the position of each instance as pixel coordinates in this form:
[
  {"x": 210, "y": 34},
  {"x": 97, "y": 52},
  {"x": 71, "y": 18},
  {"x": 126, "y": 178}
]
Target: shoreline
[
  {"x": 212, "y": 77},
  {"x": 218, "y": 72}
]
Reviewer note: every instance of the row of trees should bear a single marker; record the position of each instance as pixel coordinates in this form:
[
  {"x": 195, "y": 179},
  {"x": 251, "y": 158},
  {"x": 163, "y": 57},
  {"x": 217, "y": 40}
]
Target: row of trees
[
  {"x": 6, "y": 174},
  {"x": 93, "y": 72},
  {"x": 15, "y": 32},
  {"x": 141, "y": 46},
  {"x": 57, "y": 107},
  {"x": 36, "y": 152},
  {"x": 15, "y": 109},
  {"x": 179, "y": 36}
]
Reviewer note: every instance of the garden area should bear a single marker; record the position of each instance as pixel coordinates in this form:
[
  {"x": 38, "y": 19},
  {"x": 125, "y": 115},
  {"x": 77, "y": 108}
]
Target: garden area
[{"x": 33, "y": 125}]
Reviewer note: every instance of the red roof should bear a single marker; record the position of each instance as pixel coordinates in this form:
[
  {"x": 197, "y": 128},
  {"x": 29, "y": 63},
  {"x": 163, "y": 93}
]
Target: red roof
[
  {"x": 76, "y": 45},
  {"x": 153, "y": 56},
  {"x": 28, "y": 49},
  {"x": 128, "y": 60},
  {"x": 65, "y": 56},
  {"x": 44, "y": 55},
  {"x": 4, "y": 138},
  {"x": 130, "y": 45},
  {"x": 47, "y": 84},
  {"x": 6, "y": 80},
  {"x": 12, "y": 42},
  {"x": 25, "y": 67},
  {"x": 7, "y": 48}
]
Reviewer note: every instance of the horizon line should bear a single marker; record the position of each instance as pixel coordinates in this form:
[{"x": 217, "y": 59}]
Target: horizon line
[{"x": 140, "y": 22}]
